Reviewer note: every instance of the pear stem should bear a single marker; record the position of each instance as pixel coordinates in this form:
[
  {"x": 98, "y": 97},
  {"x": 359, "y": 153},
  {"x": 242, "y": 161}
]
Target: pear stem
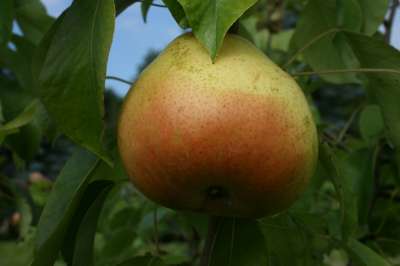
[{"x": 214, "y": 225}]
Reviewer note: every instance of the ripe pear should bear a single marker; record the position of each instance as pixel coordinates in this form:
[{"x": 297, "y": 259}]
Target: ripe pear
[{"x": 231, "y": 138}]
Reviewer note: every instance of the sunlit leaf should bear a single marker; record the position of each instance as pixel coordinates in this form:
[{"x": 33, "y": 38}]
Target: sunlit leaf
[
  {"x": 71, "y": 74},
  {"x": 210, "y": 20}
]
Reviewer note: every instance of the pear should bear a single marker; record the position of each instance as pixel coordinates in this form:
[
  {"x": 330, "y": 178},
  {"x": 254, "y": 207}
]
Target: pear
[{"x": 231, "y": 138}]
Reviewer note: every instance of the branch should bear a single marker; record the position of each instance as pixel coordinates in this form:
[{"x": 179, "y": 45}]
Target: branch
[
  {"x": 121, "y": 5},
  {"x": 309, "y": 43},
  {"x": 120, "y": 80}
]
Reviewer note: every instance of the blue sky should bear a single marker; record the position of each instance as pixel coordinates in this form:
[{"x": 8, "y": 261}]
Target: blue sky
[{"x": 133, "y": 38}]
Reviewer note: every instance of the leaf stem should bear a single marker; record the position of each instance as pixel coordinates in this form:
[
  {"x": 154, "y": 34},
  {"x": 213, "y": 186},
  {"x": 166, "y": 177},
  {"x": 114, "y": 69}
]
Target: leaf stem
[
  {"x": 309, "y": 43},
  {"x": 120, "y": 80},
  {"x": 350, "y": 70}
]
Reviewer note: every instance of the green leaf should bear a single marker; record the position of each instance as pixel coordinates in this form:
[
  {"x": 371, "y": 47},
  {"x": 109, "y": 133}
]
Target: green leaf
[
  {"x": 143, "y": 261},
  {"x": 343, "y": 185},
  {"x": 210, "y": 20},
  {"x": 61, "y": 206},
  {"x": 373, "y": 13},
  {"x": 18, "y": 64},
  {"x": 72, "y": 74},
  {"x": 238, "y": 242},
  {"x": 376, "y": 54},
  {"x": 121, "y": 5},
  {"x": 17, "y": 253},
  {"x": 287, "y": 240},
  {"x": 21, "y": 120},
  {"x": 1, "y": 114},
  {"x": 349, "y": 15},
  {"x": 328, "y": 50},
  {"x": 26, "y": 214},
  {"x": 177, "y": 12},
  {"x": 371, "y": 122},
  {"x": 364, "y": 255},
  {"x": 32, "y": 18},
  {"x": 146, "y": 4},
  {"x": 78, "y": 185},
  {"x": 357, "y": 168},
  {"x": 84, "y": 246},
  {"x": 6, "y": 19},
  {"x": 26, "y": 142}
]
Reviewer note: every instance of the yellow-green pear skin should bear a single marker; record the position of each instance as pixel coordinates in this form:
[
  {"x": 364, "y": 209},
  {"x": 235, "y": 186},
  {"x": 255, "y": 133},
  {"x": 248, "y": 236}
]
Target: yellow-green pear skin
[{"x": 231, "y": 138}]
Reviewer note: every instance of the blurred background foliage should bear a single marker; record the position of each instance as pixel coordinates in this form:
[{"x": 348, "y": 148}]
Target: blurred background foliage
[{"x": 131, "y": 229}]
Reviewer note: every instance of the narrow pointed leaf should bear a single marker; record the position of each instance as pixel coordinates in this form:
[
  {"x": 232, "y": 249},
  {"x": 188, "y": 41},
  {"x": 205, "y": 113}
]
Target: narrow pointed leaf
[{"x": 145, "y": 7}]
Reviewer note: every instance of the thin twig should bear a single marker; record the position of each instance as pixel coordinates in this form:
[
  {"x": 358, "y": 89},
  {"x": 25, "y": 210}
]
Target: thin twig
[
  {"x": 120, "y": 80},
  {"x": 308, "y": 44},
  {"x": 346, "y": 127},
  {"x": 350, "y": 70},
  {"x": 121, "y": 5}
]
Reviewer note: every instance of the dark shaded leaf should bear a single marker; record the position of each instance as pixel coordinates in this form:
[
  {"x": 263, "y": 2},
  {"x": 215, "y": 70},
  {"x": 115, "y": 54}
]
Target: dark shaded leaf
[
  {"x": 72, "y": 74},
  {"x": 84, "y": 245},
  {"x": 121, "y": 5},
  {"x": 238, "y": 242},
  {"x": 62, "y": 204},
  {"x": 32, "y": 18},
  {"x": 6, "y": 19},
  {"x": 19, "y": 64},
  {"x": 349, "y": 15},
  {"x": 371, "y": 122},
  {"x": 364, "y": 255},
  {"x": 21, "y": 120},
  {"x": 145, "y": 7},
  {"x": 177, "y": 12},
  {"x": 373, "y": 14},
  {"x": 331, "y": 51},
  {"x": 343, "y": 187},
  {"x": 17, "y": 253},
  {"x": 287, "y": 239},
  {"x": 143, "y": 261},
  {"x": 376, "y": 54},
  {"x": 210, "y": 20},
  {"x": 357, "y": 168}
]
